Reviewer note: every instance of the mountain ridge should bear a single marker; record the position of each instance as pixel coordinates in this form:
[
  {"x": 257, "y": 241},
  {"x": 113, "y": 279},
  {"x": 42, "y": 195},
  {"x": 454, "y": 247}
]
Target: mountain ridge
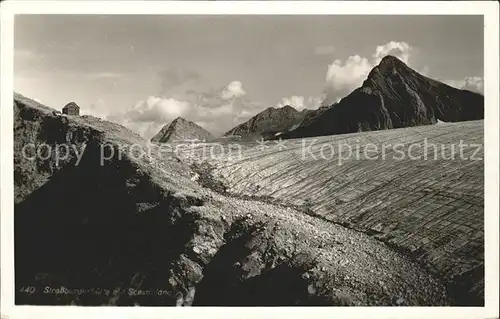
[
  {"x": 271, "y": 121},
  {"x": 394, "y": 96}
]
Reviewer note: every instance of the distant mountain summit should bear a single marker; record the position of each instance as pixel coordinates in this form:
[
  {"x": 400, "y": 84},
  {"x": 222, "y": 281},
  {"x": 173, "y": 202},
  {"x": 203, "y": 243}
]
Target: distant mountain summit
[
  {"x": 269, "y": 122},
  {"x": 393, "y": 96},
  {"x": 181, "y": 129}
]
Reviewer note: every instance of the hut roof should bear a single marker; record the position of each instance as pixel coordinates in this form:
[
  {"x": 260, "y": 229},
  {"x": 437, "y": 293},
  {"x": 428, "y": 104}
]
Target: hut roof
[{"x": 71, "y": 104}]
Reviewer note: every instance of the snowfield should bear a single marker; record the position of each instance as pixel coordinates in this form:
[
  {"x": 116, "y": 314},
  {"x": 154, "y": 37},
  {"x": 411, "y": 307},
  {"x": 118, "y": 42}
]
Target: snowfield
[{"x": 427, "y": 204}]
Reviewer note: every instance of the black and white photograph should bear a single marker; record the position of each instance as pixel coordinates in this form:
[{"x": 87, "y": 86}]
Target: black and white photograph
[{"x": 251, "y": 160}]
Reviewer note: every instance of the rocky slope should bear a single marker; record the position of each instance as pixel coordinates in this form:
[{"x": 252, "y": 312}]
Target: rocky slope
[
  {"x": 181, "y": 130},
  {"x": 41, "y": 136},
  {"x": 412, "y": 188},
  {"x": 115, "y": 226},
  {"x": 394, "y": 96},
  {"x": 269, "y": 122}
]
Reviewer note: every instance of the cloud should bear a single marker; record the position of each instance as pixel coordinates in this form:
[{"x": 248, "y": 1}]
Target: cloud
[
  {"x": 158, "y": 109},
  {"x": 217, "y": 110},
  {"x": 324, "y": 49},
  {"x": 471, "y": 83},
  {"x": 474, "y": 83},
  {"x": 233, "y": 90},
  {"x": 400, "y": 50},
  {"x": 343, "y": 76},
  {"x": 148, "y": 114},
  {"x": 295, "y": 101},
  {"x": 184, "y": 93},
  {"x": 300, "y": 103}
]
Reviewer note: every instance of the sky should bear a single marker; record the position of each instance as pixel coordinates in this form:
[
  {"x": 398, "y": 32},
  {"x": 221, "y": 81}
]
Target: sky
[{"x": 143, "y": 71}]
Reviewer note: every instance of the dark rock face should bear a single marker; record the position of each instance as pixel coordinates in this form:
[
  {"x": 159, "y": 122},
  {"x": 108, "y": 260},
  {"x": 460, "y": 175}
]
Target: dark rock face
[
  {"x": 394, "y": 96},
  {"x": 181, "y": 129},
  {"x": 269, "y": 122},
  {"x": 35, "y": 125}
]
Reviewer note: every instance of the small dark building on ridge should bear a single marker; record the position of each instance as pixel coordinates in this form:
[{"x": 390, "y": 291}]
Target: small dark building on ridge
[{"x": 71, "y": 109}]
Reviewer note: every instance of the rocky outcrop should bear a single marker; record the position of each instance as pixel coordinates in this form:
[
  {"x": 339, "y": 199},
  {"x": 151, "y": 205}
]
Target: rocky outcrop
[
  {"x": 115, "y": 226},
  {"x": 269, "y": 122},
  {"x": 394, "y": 96},
  {"x": 46, "y": 141},
  {"x": 181, "y": 130}
]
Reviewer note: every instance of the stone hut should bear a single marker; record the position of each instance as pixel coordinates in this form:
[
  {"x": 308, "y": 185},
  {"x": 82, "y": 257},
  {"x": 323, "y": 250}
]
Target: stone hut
[{"x": 71, "y": 109}]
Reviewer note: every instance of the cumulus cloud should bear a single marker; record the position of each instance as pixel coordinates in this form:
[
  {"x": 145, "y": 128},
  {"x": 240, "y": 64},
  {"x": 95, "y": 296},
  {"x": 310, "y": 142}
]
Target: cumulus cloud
[
  {"x": 343, "y": 76},
  {"x": 233, "y": 90},
  {"x": 184, "y": 93},
  {"x": 471, "y": 83},
  {"x": 147, "y": 116},
  {"x": 157, "y": 109},
  {"x": 474, "y": 83},
  {"x": 216, "y": 110},
  {"x": 400, "y": 50},
  {"x": 295, "y": 101},
  {"x": 300, "y": 102}
]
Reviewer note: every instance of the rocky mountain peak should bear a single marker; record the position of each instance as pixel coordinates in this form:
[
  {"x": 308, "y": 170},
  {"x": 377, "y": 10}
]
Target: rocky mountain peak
[
  {"x": 388, "y": 67},
  {"x": 284, "y": 109},
  {"x": 394, "y": 96},
  {"x": 181, "y": 129},
  {"x": 269, "y": 122},
  {"x": 179, "y": 120},
  {"x": 391, "y": 61},
  {"x": 288, "y": 108}
]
